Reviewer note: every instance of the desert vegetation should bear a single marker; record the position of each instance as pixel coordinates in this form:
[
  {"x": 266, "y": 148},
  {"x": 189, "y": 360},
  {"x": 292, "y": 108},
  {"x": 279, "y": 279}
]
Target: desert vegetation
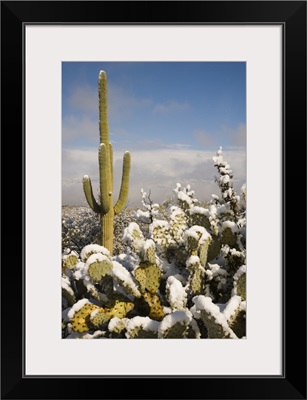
[{"x": 170, "y": 270}]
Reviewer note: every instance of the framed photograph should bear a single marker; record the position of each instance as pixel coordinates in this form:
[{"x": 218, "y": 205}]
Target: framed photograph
[{"x": 162, "y": 155}]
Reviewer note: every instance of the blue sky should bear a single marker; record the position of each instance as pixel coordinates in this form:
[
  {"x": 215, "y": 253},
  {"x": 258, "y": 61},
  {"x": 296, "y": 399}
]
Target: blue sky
[{"x": 171, "y": 116}]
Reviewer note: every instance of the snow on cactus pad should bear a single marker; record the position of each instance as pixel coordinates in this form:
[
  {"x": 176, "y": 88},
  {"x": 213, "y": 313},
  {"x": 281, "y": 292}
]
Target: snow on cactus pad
[
  {"x": 142, "y": 328},
  {"x": 174, "y": 325},
  {"x": 214, "y": 320},
  {"x": 148, "y": 251},
  {"x": 122, "y": 276},
  {"x": 175, "y": 293},
  {"x": 70, "y": 260},
  {"x": 98, "y": 265},
  {"x": 117, "y": 325},
  {"x": 90, "y": 249}
]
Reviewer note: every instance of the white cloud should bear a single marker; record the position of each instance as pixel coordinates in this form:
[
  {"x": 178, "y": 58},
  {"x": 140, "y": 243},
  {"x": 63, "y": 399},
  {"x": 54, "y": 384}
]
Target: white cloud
[{"x": 157, "y": 171}]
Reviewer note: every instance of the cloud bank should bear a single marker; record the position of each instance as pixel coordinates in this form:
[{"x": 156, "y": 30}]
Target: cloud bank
[{"x": 156, "y": 171}]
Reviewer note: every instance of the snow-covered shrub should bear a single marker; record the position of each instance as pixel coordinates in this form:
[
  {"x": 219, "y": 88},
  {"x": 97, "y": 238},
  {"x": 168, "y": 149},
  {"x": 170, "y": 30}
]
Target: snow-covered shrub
[
  {"x": 183, "y": 276},
  {"x": 80, "y": 226}
]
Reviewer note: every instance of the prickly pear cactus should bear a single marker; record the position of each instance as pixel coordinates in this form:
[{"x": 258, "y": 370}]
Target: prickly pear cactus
[
  {"x": 81, "y": 321},
  {"x": 98, "y": 266},
  {"x": 148, "y": 275},
  {"x": 182, "y": 276}
]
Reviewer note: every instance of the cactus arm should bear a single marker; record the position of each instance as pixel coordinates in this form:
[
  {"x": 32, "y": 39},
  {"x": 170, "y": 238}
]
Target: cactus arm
[
  {"x": 88, "y": 191},
  {"x": 124, "y": 189},
  {"x": 103, "y": 108},
  {"x": 105, "y": 192},
  {"x": 111, "y": 165}
]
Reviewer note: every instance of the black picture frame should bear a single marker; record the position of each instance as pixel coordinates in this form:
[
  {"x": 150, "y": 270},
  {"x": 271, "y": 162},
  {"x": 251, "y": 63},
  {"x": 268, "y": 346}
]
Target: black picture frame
[{"x": 292, "y": 16}]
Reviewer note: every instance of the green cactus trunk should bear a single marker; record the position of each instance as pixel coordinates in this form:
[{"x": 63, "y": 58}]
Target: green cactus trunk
[
  {"x": 107, "y": 230},
  {"x": 105, "y": 160}
]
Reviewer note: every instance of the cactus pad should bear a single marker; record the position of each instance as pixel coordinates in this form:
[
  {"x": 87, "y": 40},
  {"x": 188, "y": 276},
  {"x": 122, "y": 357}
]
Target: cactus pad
[
  {"x": 70, "y": 260},
  {"x": 99, "y": 317},
  {"x": 142, "y": 328},
  {"x": 238, "y": 324},
  {"x": 175, "y": 325},
  {"x": 196, "y": 281},
  {"x": 148, "y": 252},
  {"x": 214, "y": 248},
  {"x": 192, "y": 244},
  {"x": 176, "y": 331},
  {"x": 241, "y": 286},
  {"x": 155, "y": 306},
  {"x": 200, "y": 219},
  {"x": 229, "y": 237},
  {"x": 117, "y": 325},
  {"x": 81, "y": 319},
  {"x": 148, "y": 275},
  {"x": 214, "y": 321},
  {"x": 69, "y": 296},
  {"x": 99, "y": 268},
  {"x": 121, "y": 309},
  {"x": 203, "y": 253}
]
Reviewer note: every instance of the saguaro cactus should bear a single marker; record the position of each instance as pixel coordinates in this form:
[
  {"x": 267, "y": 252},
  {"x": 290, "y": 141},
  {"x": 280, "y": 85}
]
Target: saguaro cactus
[{"x": 106, "y": 209}]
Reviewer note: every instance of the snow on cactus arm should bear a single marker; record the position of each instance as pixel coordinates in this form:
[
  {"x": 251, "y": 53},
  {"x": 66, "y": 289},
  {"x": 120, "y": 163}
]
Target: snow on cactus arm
[
  {"x": 142, "y": 328},
  {"x": 124, "y": 278},
  {"x": 98, "y": 265},
  {"x": 214, "y": 320},
  {"x": 175, "y": 293},
  {"x": 174, "y": 325}
]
